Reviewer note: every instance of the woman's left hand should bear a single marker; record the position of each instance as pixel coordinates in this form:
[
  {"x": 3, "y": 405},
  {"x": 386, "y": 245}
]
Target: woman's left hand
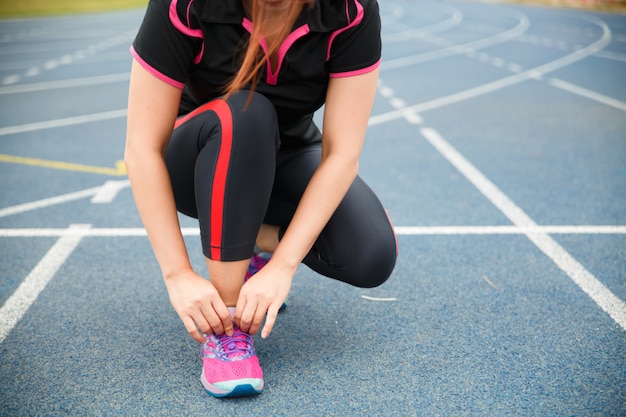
[{"x": 261, "y": 297}]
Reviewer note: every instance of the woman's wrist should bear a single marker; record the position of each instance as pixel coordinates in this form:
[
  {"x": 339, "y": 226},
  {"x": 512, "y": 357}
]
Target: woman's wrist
[
  {"x": 175, "y": 273},
  {"x": 285, "y": 263}
]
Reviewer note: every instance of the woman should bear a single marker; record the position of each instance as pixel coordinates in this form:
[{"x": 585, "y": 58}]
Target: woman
[{"x": 221, "y": 101}]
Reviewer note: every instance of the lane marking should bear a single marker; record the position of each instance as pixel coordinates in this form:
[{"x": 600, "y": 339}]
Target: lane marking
[
  {"x": 119, "y": 170},
  {"x": 389, "y": 299},
  {"x": 611, "y": 304},
  {"x": 64, "y": 198},
  {"x": 47, "y": 202},
  {"x": 488, "y": 281},
  {"x": 71, "y": 83},
  {"x": 534, "y": 73},
  {"x": 107, "y": 193},
  {"x": 25, "y": 295},
  {"x": 509, "y": 230},
  {"x": 400, "y": 230},
  {"x": 616, "y": 56},
  {"x": 592, "y": 95},
  {"x": 448, "y": 50},
  {"x": 69, "y": 121},
  {"x": 10, "y": 79},
  {"x": 417, "y": 33},
  {"x": 68, "y": 58},
  {"x": 395, "y": 102}
]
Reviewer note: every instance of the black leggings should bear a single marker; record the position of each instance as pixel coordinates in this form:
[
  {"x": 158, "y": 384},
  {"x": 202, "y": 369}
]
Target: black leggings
[{"x": 228, "y": 171}]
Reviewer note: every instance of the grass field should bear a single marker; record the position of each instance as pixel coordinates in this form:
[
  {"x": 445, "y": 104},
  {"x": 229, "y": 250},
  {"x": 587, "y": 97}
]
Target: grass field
[
  {"x": 31, "y": 8},
  {"x": 613, "y": 6}
]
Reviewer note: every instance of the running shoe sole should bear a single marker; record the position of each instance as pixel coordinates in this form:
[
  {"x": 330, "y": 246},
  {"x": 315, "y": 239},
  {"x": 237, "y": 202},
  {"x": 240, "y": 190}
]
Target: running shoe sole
[{"x": 236, "y": 388}]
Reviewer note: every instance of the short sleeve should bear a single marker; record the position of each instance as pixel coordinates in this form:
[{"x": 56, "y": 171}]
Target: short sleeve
[
  {"x": 356, "y": 48},
  {"x": 166, "y": 44}
]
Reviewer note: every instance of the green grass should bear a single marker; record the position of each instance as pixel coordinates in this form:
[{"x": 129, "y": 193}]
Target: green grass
[
  {"x": 612, "y": 6},
  {"x": 32, "y": 8}
]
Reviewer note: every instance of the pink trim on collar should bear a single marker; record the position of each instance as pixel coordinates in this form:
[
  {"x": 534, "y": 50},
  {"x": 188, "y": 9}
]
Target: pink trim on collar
[
  {"x": 357, "y": 20},
  {"x": 184, "y": 29},
  {"x": 272, "y": 76}
]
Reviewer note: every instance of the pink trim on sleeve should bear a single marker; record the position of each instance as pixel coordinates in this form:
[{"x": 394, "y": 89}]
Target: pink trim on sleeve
[
  {"x": 355, "y": 72},
  {"x": 155, "y": 72}
]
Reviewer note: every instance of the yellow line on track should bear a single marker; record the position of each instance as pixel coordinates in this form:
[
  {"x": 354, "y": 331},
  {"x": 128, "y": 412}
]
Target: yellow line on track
[{"x": 118, "y": 171}]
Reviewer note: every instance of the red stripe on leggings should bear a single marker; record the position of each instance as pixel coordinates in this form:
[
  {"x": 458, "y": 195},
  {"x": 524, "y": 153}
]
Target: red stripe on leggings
[{"x": 222, "y": 109}]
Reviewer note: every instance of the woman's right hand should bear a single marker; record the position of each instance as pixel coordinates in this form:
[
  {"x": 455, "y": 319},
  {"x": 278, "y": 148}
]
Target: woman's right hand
[{"x": 198, "y": 305}]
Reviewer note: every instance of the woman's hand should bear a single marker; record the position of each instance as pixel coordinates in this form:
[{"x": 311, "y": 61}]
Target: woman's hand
[
  {"x": 261, "y": 297},
  {"x": 198, "y": 305}
]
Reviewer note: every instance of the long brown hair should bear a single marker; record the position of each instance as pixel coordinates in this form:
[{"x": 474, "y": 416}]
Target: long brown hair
[{"x": 273, "y": 26}]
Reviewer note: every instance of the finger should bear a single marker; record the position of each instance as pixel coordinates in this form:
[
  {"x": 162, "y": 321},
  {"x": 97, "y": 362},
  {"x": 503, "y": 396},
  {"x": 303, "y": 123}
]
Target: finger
[
  {"x": 226, "y": 320},
  {"x": 270, "y": 319},
  {"x": 247, "y": 316},
  {"x": 202, "y": 323},
  {"x": 212, "y": 319},
  {"x": 192, "y": 329},
  {"x": 257, "y": 320},
  {"x": 239, "y": 308}
]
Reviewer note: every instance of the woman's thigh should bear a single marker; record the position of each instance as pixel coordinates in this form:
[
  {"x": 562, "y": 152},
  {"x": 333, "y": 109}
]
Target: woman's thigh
[{"x": 358, "y": 245}]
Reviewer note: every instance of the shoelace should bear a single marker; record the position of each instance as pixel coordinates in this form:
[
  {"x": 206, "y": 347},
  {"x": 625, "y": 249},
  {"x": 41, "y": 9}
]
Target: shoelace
[{"x": 239, "y": 345}]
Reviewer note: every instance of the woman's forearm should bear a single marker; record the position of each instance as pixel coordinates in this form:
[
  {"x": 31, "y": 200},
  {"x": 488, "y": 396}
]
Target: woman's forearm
[
  {"x": 155, "y": 203},
  {"x": 349, "y": 102},
  {"x": 327, "y": 188},
  {"x": 152, "y": 109}
]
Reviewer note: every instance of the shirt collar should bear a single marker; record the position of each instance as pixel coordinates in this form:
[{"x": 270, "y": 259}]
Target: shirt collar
[{"x": 323, "y": 16}]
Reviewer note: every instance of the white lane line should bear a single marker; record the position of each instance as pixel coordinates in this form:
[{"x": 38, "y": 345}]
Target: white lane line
[
  {"x": 69, "y": 121},
  {"x": 10, "y": 79},
  {"x": 406, "y": 61},
  {"x": 450, "y": 99},
  {"x": 93, "y": 232},
  {"x": 592, "y": 95},
  {"x": 400, "y": 230},
  {"x": 508, "y": 230},
  {"x": 391, "y": 16},
  {"x": 46, "y": 202},
  {"x": 610, "y": 303},
  {"x": 616, "y": 56},
  {"x": 67, "y": 59},
  {"x": 389, "y": 299},
  {"x": 417, "y": 33},
  {"x": 534, "y": 73},
  {"x": 107, "y": 193},
  {"x": 71, "y": 83},
  {"x": 25, "y": 295}
]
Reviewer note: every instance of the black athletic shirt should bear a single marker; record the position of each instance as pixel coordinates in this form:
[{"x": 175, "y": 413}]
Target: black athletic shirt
[{"x": 196, "y": 45}]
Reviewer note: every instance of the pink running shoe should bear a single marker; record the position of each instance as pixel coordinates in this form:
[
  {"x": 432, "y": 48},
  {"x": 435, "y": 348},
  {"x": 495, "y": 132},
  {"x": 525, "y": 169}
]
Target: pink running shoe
[
  {"x": 230, "y": 367},
  {"x": 258, "y": 261}
]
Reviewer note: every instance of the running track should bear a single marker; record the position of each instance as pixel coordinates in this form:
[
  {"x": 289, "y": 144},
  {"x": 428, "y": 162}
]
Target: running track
[{"x": 498, "y": 145}]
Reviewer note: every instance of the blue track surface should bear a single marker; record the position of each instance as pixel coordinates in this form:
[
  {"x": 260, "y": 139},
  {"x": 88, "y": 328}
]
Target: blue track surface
[{"x": 498, "y": 145}]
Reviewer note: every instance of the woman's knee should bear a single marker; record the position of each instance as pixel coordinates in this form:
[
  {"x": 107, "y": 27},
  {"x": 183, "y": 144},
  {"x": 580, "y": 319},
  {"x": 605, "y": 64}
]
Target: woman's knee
[
  {"x": 361, "y": 262},
  {"x": 254, "y": 119},
  {"x": 375, "y": 264}
]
